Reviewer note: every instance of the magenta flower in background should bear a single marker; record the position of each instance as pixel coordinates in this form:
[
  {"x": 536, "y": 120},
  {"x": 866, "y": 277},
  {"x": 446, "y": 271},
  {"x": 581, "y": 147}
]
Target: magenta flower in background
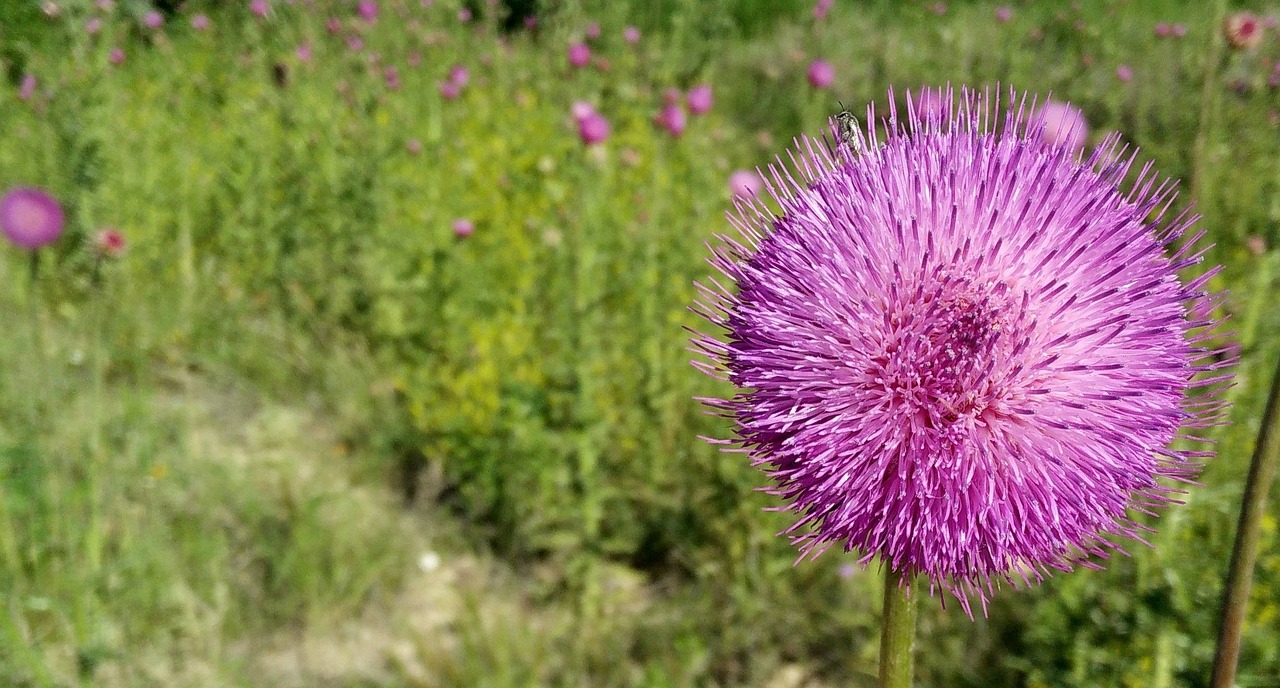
[
  {"x": 368, "y": 10},
  {"x": 745, "y": 184},
  {"x": 593, "y": 31},
  {"x": 303, "y": 52},
  {"x": 631, "y": 35},
  {"x": 109, "y": 243},
  {"x": 392, "y": 76},
  {"x": 355, "y": 43},
  {"x": 1243, "y": 30},
  {"x": 531, "y": 22},
  {"x": 464, "y": 15},
  {"x": 450, "y": 90},
  {"x": 28, "y": 86},
  {"x": 1060, "y": 125},
  {"x": 822, "y": 8},
  {"x": 200, "y": 22},
  {"x": 153, "y": 20},
  {"x": 1004, "y": 13},
  {"x": 581, "y": 109},
  {"x": 1179, "y": 30},
  {"x": 963, "y": 355},
  {"x": 673, "y": 119},
  {"x": 699, "y": 99},
  {"x": 1124, "y": 73},
  {"x": 414, "y": 59},
  {"x": 579, "y": 54},
  {"x": 462, "y": 228},
  {"x": 259, "y": 8},
  {"x": 1163, "y": 30},
  {"x": 116, "y": 56},
  {"x": 821, "y": 74},
  {"x": 333, "y": 26},
  {"x": 30, "y": 217},
  {"x": 593, "y": 128},
  {"x": 93, "y": 26},
  {"x": 459, "y": 75},
  {"x": 413, "y": 146}
]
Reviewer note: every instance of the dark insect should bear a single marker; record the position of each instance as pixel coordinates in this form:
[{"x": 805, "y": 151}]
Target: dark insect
[{"x": 847, "y": 128}]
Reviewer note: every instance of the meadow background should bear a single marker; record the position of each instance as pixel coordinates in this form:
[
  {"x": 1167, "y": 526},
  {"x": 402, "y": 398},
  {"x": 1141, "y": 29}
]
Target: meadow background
[{"x": 305, "y": 432}]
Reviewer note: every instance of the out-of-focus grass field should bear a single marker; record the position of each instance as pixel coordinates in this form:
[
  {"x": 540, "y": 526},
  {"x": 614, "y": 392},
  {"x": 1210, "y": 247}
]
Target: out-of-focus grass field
[{"x": 302, "y": 435}]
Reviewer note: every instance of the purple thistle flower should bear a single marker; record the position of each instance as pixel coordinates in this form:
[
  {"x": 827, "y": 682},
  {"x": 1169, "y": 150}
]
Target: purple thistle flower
[
  {"x": 93, "y": 26},
  {"x": 822, "y": 8},
  {"x": 116, "y": 56},
  {"x": 368, "y": 10},
  {"x": 745, "y": 183},
  {"x": 459, "y": 75},
  {"x": 821, "y": 74},
  {"x": 259, "y": 8},
  {"x": 672, "y": 119},
  {"x": 1004, "y": 13},
  {"x": 303, "y": 52},
  {"x": 1124, "y": 73},
  {"x": 593, "y": 128},
  {"x": 153, "y": 20},
  {"x": 699, "y": 99},
  {"x": 1163, "y": 30},
  {"x": 28, "y": 86},
  {"x": 462, "y": 228},
  {"x": 450, "y": 90},
  {"x": 631, "y": 35},
  {"x": 593, "y": 31},
  {"x": 30, "y": 217},
  {"x": 200, "y": 22},
  {"x": 961, "y": 352},
  {"x": 579, "y": 54},
  {"x": 1060, "y": 125},
  {"x": 1179, "y": 30}
]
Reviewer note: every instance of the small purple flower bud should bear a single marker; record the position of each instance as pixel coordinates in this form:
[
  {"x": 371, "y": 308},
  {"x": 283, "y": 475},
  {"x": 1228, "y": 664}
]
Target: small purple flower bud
[
  {"x": 1124, "y": 73},
  {"x": 30, "y": 217},
  {"x": 821, "y": 74},
  {"x": 462, "y": 228},
  {"x": 745, "y": 184},
  {"x": 593, "y": 128},
  {"x": 368, "y": 10},
  {"x": 153, "y": 20},
  {"x": 631, "y": 35},
  {"x": 579, "y": 54},
  {"x": 673, "y": 119},
  {"x": 200, "y": 22},
  {"x": 699, "y": 99}
]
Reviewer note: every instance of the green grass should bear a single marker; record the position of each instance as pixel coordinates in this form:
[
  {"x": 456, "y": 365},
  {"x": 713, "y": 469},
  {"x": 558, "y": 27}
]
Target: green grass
[{"x": 222, "y": 458}]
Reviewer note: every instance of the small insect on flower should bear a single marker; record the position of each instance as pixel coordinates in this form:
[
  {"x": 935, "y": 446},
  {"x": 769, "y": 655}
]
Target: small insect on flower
[
  {"x": 846, "y": 128},
  {"x": 964, "y": 353}
]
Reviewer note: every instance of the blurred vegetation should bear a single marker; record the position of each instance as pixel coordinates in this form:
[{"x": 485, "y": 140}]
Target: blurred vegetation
[{"x": 298, "y": 377}]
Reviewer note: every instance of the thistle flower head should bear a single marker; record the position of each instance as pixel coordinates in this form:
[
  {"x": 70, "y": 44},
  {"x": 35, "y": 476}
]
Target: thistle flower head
[
  {"x": 961, "y": 351},
  {"x": 579, "y": 54},
  {"x": 821, "y": 74},
  {"x": 1243, "y": 30},
  {"x": 1060, "y": 125},
  {"x": 699, "y": 99},
  {"x": 30, "y": 217}
]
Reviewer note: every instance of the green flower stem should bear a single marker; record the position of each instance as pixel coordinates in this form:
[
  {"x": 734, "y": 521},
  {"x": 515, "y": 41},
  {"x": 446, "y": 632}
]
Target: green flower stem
[
  {"x": 898, "y": 630},
  {"x": 1235, "y": 599}
]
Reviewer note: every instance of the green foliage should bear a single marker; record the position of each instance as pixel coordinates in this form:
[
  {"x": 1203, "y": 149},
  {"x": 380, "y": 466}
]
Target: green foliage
[{"x": 285, "y": 233}]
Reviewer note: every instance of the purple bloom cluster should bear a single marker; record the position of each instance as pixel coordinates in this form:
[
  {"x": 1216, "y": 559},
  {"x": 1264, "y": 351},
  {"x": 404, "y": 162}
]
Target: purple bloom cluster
[{"x": 962, "y": 351}]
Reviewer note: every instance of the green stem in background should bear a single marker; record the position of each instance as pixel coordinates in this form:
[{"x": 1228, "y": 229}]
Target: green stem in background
[
  {"x": 897, "y": 630},
  {"x": 1235, "y": 598},
  {"x": 1207, "y": 99}
]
